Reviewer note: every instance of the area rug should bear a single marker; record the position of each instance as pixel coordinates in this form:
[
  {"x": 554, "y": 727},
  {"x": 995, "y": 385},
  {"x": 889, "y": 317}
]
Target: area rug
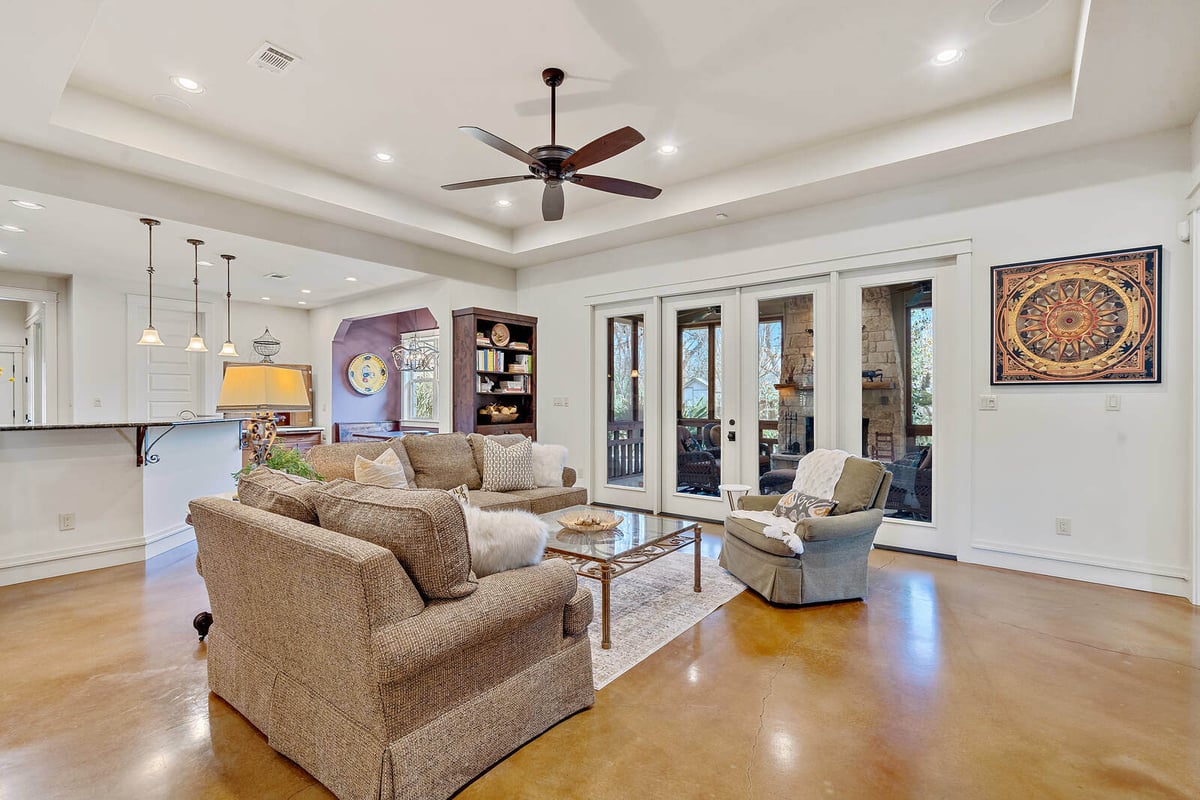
[{"x": 651, "y": 606}]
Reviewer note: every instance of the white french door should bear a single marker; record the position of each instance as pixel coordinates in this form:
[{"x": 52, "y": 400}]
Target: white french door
[{"x": 700, "y": 402}]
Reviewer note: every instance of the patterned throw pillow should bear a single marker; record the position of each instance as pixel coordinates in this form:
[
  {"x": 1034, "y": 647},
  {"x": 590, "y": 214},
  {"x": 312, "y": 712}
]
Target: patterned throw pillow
[
  {"x": 461, "y": 494},
  {"x": 795, "y": 506},
  {"x": 385, "y": 471},
  {"x": 508, "y": 469}
]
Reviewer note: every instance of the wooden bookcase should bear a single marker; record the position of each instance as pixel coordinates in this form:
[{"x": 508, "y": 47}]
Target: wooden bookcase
[{"x": 470, "y": 324}]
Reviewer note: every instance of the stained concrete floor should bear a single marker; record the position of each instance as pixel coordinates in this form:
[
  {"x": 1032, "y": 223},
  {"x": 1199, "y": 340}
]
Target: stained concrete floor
[{"x": 952, "y": 681}]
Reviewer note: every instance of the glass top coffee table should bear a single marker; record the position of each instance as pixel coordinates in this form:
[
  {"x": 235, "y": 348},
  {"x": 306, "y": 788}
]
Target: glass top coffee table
[{"x": 639, "y": 539}]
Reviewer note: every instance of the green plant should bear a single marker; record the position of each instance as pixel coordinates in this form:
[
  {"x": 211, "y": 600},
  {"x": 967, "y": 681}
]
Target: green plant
[{"x": 286, "y": 460}]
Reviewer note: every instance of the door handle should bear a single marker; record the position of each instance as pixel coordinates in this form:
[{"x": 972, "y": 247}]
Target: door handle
[{"x": 731, "y": 436}]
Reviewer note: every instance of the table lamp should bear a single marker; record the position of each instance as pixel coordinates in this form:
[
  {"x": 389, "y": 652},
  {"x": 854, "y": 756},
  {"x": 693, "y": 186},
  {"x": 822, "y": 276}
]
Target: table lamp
[{"x": 262, "y": 389}]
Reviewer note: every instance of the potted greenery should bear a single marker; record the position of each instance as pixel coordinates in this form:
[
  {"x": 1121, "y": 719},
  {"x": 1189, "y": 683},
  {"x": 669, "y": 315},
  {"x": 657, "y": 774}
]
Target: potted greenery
[{"x": 286, "y": 460}]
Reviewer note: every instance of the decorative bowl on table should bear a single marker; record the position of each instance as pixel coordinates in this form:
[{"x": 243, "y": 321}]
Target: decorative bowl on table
[{"x": 590, "y": 521}]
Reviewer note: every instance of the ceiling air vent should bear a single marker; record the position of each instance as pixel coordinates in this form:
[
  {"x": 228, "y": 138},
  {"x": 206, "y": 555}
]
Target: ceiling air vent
[
  {"x": 273, "y": 59},
  {"x": 277, "y": 276}
]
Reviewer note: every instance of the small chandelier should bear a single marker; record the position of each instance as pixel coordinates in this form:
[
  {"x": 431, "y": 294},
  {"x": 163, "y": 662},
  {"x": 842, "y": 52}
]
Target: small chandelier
[
  {"x": 227, "y": 349},
  {"x": 150, "y": 334},
  {"x": 196, "y": 344},
  {"x": 417, "y": 355},
  {"x": 266, "y": 346}
]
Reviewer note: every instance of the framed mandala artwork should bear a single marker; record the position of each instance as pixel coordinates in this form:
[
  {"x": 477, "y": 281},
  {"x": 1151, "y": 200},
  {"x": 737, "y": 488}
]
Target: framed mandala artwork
[{"x": 1084, "y": 319}]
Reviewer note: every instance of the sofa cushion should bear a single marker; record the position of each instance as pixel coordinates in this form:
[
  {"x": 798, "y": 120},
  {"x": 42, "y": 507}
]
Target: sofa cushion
[
  {"x": 856, "y": 489},
  {"x": 546, "y": 499},
  {"x": 442, "y": 461},
  {"x": 280, "y": 493},
  {"x": 385, "y": 471},
  {"x": 508, "y": 468},
  {"x": 424, "y": 529},
  {"x": 478, "y": 444},
  {"x": 751, "y": 533},
  {"x": 498, "y": 501}
]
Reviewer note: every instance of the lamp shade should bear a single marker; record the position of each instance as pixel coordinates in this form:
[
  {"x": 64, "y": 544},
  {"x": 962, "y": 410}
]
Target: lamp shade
[{"x": 262, "y": 387}]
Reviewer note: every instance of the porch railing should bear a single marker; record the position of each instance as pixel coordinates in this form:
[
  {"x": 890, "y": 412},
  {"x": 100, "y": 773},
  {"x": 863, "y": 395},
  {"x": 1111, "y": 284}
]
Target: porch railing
[{"x": 626, "y": 449}]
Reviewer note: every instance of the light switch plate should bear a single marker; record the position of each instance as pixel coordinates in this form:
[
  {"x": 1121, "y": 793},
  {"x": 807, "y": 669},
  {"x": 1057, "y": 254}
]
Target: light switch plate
[
  {"x": 1112, "y": 402},
  {"x": 987, "y": 402}
]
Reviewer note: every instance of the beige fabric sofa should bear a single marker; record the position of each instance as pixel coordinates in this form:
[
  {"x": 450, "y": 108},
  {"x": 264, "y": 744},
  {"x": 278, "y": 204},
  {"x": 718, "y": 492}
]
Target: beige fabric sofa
[
  {"x": 833, "y": 565},
  {"x": 325, "y": 644},
  {"x": 446, "y": 460}
]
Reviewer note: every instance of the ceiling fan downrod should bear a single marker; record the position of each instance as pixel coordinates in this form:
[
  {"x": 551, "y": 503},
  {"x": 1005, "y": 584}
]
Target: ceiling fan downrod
[{"x": 553, "y": 77}]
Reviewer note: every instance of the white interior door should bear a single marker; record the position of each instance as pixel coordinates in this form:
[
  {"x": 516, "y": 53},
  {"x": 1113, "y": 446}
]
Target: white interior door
[
  {"x": 10, "y": 392},
  {"x": 700, "y": 402},
  {"x": 626, "y": 383}
]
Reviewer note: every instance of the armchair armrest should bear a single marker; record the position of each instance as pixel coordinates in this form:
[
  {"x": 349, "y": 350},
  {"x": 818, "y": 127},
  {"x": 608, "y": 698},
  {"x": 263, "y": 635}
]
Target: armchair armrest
[
  {"x": 503, "y": 603},
  {"x": 578, "y": 613},
  {"x": 758, "y": 502},
  {"x": 846, "y": 526},
  {"x": 569, "y": 476},
  {"x": 697, "y": 457}
]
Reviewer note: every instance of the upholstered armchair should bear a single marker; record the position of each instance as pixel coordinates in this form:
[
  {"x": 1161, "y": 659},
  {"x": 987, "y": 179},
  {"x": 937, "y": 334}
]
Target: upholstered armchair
[
  {"x": 696, "y": 469},
  {"x": 833, "y": 565}
]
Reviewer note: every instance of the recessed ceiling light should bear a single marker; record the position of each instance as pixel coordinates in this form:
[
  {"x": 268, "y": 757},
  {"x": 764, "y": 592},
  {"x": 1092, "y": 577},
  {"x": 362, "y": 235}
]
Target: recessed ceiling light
[
  {"x": 3, "y": 253},
  {"x": 187, "y": 84},
  {"x": 947, "y": 57},
  {"x": 29, "y": 204},
  {"x": 306, "y": 291},
  {"x": 385, "y": 158},
  {"x": 170, "y": 101},
  {"x": 1008, "y": 12},
  {"x": 11, "y": 229},
  {"x": 504, "y": 203},
  {"x": 204, "y": 263},
  {"x": 302, "y": 302},
  {"x": 352, "y": 280},
  {"x": 668, "y": 149},
  {"x": 264, "y": 298}
]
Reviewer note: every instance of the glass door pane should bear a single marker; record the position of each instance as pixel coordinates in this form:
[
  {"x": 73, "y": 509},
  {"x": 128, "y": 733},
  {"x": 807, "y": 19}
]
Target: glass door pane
[
  {"x": 897, "y": 392},
  {"x": 786, "y": 417},
  {"x": 625, "y": 443},
  {"x": 698, "y": 401}
]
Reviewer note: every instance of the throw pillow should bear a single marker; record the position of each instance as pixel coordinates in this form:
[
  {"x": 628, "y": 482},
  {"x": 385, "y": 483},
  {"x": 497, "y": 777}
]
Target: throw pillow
[
  {"x": 280, "y": 493},
  {"x": 478, "y": 444},
  {"x": 425, "y": 530},
  {"x": 508, "y": 469},
  {"x": 795, "y": 506},
  {"x": 549, "y": 461},
  {"x": 461, "y": 494},
  {"x": 442, "y": 460},
  {"x": 504, "y": 540},
  {"x": 385, "y": 471}
]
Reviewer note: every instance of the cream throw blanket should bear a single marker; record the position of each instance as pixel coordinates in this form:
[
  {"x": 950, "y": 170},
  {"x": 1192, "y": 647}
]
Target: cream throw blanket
[{"x": 817, "y": 474}]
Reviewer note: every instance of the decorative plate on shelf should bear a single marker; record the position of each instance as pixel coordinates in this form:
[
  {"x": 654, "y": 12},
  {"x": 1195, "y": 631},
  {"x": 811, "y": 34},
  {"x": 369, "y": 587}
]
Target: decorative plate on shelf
[
  {"x": 367, "y": 373},
  {"x": 500, "y": 334},
  {"x": 590, "y": 521}
]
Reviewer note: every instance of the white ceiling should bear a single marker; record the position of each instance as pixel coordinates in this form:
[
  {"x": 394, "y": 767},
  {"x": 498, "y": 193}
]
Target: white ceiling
[
  {"x": 69, "y": 237},
  {"x": 774, "y": 104}
]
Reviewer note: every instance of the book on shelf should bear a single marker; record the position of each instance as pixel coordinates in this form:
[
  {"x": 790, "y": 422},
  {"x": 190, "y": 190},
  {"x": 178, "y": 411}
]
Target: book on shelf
[
  {"x": 521, "y": 363},
  {"x": 518, "y": 345},
  {"x": 489, "y": 360}
]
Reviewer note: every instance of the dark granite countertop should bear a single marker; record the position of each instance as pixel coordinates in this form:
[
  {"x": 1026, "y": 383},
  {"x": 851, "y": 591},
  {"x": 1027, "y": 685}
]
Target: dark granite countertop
[{"x": 91, "y": 425}]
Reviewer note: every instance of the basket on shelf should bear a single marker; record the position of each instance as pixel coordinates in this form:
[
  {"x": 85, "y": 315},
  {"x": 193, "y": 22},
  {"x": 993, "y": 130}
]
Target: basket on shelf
[{"x": 498, "y": 415}]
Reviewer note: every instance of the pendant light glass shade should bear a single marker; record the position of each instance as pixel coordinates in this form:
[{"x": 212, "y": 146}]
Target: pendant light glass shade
[
  {"x": 227, "y": 349},
  {"x": 196, "y": 343},
  {"x": 150, "y": 334}
]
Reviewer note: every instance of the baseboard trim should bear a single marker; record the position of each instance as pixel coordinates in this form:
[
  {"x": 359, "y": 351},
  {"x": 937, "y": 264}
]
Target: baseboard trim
[
  {"x": 911, "y": 551},
  {"x": 53, "y": 563},
  {"x": 1122, "y": 565}
]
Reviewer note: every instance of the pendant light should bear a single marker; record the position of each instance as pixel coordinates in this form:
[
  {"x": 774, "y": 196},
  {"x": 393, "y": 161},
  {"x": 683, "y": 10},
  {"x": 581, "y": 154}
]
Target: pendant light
[
  {"x": 196, "y": 344},
  {"x": 227, "y": 349},
  {"x": 150, "y": 335}
]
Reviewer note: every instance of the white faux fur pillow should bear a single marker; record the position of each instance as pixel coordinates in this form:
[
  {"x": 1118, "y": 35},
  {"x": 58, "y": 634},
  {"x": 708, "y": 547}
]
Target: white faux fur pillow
[
  {"x": 385, "y": 471},
  {"x": 549, "y": 461},
  {"x": 504, "y": 540}
]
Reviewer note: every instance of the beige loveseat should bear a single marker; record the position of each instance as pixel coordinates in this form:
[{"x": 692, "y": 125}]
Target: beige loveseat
[
  {"x": 386, "y": 673},
  {"x": 444, "y": 461}
]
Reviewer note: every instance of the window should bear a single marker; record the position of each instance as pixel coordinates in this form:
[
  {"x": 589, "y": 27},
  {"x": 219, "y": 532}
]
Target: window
[
  {"x": 626, "y": 400},
  {"x": 419, "y": 390}
]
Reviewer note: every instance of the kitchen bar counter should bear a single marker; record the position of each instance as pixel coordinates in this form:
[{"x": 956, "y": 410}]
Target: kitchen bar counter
[{"x": 84, "y": 425}]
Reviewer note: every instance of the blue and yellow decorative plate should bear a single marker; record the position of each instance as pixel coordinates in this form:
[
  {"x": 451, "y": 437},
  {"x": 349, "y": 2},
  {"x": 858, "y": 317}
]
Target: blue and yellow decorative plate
[{"x": 368, "y": 374}]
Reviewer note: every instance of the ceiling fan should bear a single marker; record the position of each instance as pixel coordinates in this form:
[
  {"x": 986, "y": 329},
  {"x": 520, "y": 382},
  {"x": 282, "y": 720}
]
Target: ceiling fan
[{"x": 556, "y": 164}]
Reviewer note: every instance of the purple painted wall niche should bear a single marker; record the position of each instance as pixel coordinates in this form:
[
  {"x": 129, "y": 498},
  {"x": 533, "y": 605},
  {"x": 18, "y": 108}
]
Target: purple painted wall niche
[{"x": 372, "y": 335}]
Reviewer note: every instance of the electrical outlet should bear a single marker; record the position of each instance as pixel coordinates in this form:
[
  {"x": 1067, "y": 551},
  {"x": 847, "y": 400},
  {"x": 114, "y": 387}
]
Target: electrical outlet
[
  {"x": 1112, "y": 402},
  {"x": 1062, "y": 526},
  {"x": 566, "y": 401},
  {"x": 66, "y": 522},
  {"x": 987, "y": 402},
  {"x": 97, "y": 402}
]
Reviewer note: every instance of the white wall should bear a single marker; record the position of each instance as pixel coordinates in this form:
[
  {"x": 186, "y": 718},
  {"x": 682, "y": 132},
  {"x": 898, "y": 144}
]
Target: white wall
[
  {"x": 12, "y": 322},
  {"x": 1047, "y": 452},
  {"x": 440, "y": 296},
  {"x": 1195, "y": 186},
  {"x": 100, "y": 342}
]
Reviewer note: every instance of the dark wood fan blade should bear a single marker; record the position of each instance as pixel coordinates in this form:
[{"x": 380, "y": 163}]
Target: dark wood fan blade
[
  {"x": 488, "y": 182},
  {"x": 508, "y": 148},
  {"x": 618, "y": 186},
  {"x": 552, "y": 202},
  {"x": 607, "y": 146}
]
